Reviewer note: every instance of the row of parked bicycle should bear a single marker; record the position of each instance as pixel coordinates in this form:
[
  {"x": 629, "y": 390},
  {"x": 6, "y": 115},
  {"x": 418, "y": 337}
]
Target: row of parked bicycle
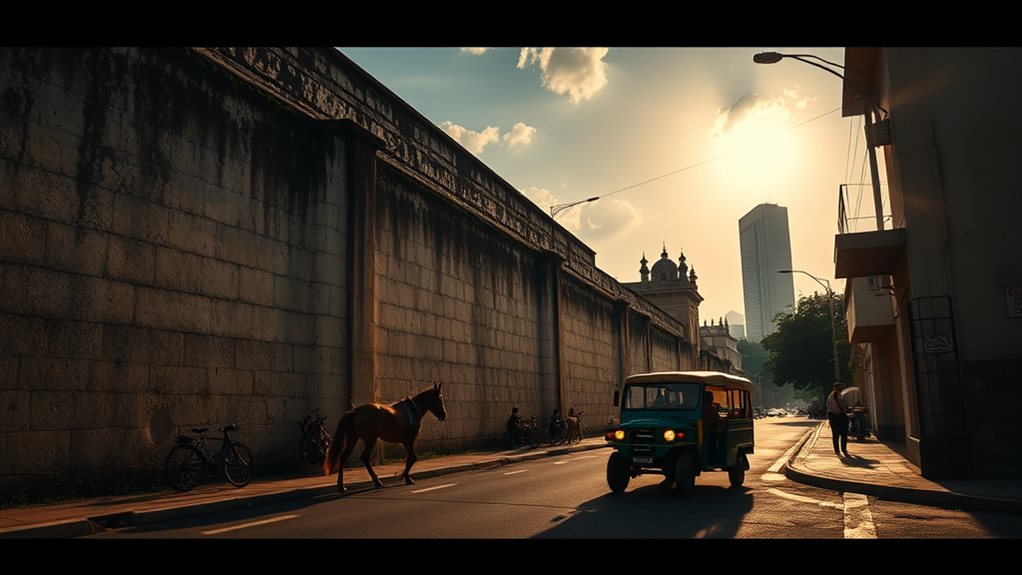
[
  {"x": 190, "y": 459},
  {"x": 559, "y": 430}
]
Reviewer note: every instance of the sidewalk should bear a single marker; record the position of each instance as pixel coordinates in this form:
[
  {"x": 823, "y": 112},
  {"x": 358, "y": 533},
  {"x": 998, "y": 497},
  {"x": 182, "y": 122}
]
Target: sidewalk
[
  {"x": 87, "y": 516},
  {"x": 877, "y": 468}
]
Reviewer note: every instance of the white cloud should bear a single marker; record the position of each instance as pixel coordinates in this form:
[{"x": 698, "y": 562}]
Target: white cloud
[
  {"x": 519, "y": 136},
  {"x": 606, "y": 218},
  {"x": 473, "y": 141},
  {"x": 474, "y": 51},
  {"x": 596, "y": 220},
  {"x": 752, "y": 107},
  {"x": 578, "y": 72}
]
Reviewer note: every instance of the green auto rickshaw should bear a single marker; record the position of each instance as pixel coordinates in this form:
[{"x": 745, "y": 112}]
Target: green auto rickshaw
[{"x": 679, "y": 424}]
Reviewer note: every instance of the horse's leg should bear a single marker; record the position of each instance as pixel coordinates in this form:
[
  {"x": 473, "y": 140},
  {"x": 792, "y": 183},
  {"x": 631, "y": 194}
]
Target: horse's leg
[
  {"x": 366, "y": 454},
  {"x": 410, "y": 460},
  {"x": 349, "y": 445}
]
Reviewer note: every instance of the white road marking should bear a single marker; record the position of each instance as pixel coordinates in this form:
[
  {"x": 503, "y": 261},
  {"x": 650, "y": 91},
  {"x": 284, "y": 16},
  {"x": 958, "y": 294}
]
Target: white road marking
[
  {"x": 858, "y": 517},
  {"x": 583, "y": 457},
  {"x": 803, "y": 498},
  {"x": 560, "y": 462},
  {"x": 434, "y": 488},
  {"x": 253, "y": 524},
  {"x": 515, "y": 472}
]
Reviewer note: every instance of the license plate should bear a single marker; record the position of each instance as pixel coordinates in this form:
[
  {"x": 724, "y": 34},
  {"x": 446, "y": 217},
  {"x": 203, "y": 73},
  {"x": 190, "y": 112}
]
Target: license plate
[{"x": 646, "y": 460}]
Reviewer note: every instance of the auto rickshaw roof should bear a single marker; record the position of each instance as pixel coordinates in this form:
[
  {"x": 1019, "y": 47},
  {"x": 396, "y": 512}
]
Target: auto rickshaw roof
[{"x": 714, "y": 378}]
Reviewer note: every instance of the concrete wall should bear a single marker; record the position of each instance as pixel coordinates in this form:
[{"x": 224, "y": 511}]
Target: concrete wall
[
  {"x": 191, "y": 237},
  {"x": 591, "y": 355},
  {"x": 460, "y": 305},
  {"x": 172, "y": 254}
]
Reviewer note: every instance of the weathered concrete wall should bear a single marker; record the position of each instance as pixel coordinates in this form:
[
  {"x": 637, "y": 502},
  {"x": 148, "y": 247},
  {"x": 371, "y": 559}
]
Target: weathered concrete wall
[
  {"x": 457, "y": 304},
  {"x": 189, "y": 237},
  {"x": 172, "y": 254},
  {"x": 638, "y": 332},
  {"x": 664, "y": 352},
  {"x": 591, "y": 353}
]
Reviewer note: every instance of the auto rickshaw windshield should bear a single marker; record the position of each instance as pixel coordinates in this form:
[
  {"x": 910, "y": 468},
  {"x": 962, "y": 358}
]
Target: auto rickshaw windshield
[{"x": 680, "y": 396}]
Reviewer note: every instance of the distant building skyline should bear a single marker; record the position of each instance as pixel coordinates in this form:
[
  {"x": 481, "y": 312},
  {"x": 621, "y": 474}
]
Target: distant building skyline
[
  {"x": 736, "y": 321},
  {"x": 765, "y": 248}
]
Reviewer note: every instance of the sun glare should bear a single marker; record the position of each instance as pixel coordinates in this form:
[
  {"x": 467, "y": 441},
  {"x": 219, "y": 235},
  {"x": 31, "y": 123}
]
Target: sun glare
[{"x": 756, "y": 153}]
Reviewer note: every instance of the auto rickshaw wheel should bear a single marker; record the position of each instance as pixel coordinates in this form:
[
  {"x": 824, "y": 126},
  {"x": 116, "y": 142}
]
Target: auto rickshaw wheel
[
  {"x": 618, "y": 472},
  {"x": 685, "y": 475},
  {"x": 736, "y": 474}
]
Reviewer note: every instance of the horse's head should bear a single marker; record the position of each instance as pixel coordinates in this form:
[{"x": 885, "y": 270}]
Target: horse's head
[{"x": 435, "y": 402}]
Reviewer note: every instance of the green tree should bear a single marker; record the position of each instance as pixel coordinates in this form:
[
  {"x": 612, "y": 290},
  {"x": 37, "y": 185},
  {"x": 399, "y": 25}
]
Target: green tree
[
  {"x": 753, "y": 357},
  {"x": 800, "y": 352}
]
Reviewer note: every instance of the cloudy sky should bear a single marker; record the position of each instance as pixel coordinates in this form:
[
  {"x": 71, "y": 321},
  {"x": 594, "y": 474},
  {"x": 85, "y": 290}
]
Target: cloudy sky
[{"x": 565, "y": 124}]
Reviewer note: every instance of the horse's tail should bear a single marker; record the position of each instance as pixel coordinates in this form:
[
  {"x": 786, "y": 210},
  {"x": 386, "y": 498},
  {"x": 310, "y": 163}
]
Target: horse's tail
[{"x": 333, "y": 454}]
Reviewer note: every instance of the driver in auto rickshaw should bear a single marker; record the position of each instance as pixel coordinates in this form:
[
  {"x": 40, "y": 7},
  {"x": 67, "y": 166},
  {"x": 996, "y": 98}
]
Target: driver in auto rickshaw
[{"x": 711, "y": 419}]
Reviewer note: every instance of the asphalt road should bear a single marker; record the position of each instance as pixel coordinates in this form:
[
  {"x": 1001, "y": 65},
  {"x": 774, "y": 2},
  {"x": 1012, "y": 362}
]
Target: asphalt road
[{"x": 568, "y": 497}]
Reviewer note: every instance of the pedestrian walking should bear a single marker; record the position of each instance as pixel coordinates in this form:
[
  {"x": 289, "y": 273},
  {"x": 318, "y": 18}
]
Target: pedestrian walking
[{"x": 837, "y": 414}]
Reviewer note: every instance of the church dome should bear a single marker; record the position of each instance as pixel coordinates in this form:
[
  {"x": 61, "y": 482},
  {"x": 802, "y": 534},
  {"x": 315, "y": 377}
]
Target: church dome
[{"x": 664, "y": 270}]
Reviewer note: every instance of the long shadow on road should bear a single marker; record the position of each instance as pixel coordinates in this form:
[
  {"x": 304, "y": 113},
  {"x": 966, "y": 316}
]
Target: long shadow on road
[
  {"x": 237, "y": 514},
  {"x": 652, "y": 511}
]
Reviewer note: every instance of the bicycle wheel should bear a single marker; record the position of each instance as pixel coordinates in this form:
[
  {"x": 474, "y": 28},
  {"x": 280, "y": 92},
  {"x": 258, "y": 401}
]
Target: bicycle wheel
[
  {"x": 184, "y": 467},
  {"x": 309, "y": 457},
  {"x": 535, "y": 438},
  {"x": 238, "y": 464}
]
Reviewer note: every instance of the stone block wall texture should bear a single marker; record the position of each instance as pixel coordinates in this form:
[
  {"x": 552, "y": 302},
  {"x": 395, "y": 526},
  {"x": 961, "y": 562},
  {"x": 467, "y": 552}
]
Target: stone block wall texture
[
  {"x": 172, "y": 254},
  {"x": 188, "y": 238},
  {"x": 591, "y": 353}
]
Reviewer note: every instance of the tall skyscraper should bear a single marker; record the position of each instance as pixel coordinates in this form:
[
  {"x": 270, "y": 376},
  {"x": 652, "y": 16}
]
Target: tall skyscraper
[{"x": 766, "y": 248}]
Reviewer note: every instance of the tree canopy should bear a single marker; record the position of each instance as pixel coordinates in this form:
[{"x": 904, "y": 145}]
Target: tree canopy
[{"x": 800, "y": 352}]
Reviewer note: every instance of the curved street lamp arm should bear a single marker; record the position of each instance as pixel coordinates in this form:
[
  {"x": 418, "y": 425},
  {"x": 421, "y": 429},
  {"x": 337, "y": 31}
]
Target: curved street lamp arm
[{"x": 558, "y": 208}]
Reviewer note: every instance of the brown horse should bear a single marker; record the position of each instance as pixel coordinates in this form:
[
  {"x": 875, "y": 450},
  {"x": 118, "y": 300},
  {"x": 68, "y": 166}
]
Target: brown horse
[{"x": 396, "y": 423}]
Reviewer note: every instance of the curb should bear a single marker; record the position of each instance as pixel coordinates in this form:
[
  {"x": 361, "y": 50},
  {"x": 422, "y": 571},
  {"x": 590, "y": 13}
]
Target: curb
[
  {"x": 92, "y": 525},
  {"x": 927, "y": 497}
]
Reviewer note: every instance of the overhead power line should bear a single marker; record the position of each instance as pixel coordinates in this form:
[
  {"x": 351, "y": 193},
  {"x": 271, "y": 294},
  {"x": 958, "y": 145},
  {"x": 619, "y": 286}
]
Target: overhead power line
[{"x": 556, "y": 209}]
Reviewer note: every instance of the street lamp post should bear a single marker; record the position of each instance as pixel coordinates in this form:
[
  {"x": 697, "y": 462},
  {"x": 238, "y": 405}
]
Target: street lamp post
[
  {"x": 833, "y": 329},
  {"x": 877, "y": 134}
]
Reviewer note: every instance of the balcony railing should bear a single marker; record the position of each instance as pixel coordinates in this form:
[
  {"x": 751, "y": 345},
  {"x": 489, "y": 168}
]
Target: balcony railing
[
  {"x": 860, "y": 248},
  {"x": 857, "y": 214}
]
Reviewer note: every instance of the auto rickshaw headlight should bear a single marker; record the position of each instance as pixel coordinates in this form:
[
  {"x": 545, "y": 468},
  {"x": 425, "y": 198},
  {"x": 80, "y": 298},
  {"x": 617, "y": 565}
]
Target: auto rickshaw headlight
[
  {"x": 619, "y": 434},
  {"x": 669, "y": 435}
]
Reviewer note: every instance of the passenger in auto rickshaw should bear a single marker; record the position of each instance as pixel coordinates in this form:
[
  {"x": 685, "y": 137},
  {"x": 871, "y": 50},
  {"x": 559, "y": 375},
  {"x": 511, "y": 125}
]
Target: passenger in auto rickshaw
[{"x": 711, "y": 418}]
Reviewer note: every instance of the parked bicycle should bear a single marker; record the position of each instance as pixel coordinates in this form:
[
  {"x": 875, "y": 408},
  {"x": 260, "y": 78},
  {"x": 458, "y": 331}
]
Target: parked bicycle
[
  {"x": 189, "y": 460},
  {"x": 313, "y": 445},
  {"x": 576, "y": 427},
  {"x": 529, "y": 434}
]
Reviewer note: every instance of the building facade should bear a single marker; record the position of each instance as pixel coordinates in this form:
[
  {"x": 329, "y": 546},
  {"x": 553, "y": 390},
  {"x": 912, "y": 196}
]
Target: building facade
[
  {"x": 736, "y": 323},
  {"x": 671, "y": 287},
  {"x": 766, "y": 248},
  {"x": 934, "y": 297},
  {"x": 717, "y": 337}
]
